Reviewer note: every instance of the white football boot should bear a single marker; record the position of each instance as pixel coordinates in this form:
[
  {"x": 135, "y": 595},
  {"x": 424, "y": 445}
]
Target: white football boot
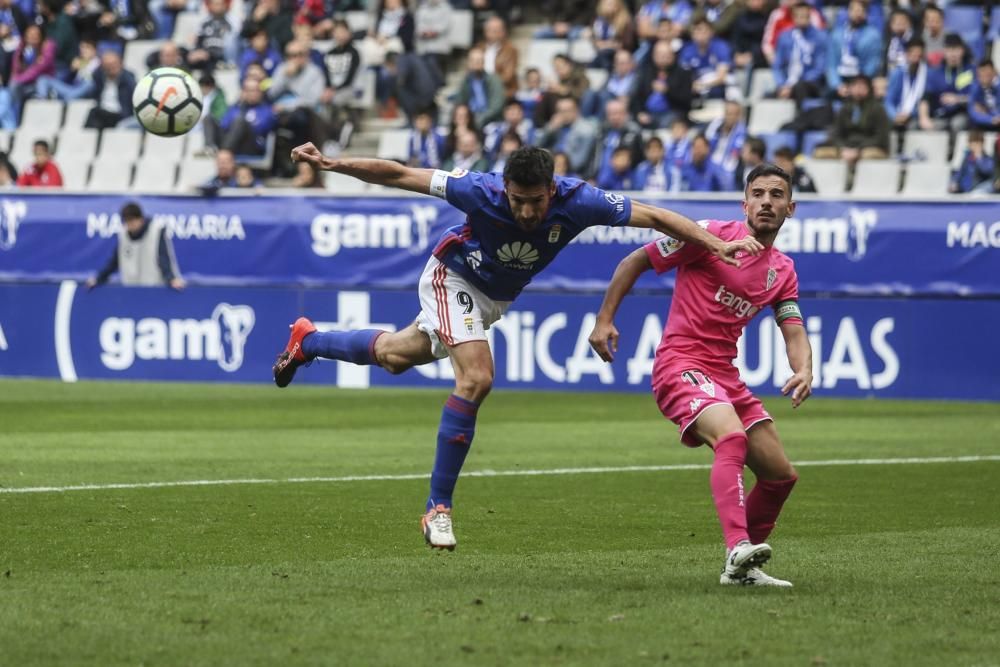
[
  {"x": 744, "y": 556},
  {"x": 754, "y": 577},
  {"x": 436, "y": 525}
]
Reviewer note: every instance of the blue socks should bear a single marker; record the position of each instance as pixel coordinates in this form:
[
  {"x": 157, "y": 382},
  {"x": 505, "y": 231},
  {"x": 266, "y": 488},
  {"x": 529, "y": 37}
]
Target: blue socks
[
  {"x": 357, "y": 347},
  {"x": 458, "y": 426}
]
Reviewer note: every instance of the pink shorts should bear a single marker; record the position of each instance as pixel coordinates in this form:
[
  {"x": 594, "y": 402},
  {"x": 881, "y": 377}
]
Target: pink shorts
[{"x": 684, "y": 388}]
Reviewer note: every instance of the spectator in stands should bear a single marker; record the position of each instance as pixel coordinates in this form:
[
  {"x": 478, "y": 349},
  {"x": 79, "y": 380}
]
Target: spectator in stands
[
  {"x": 426, "y": 145},
  {"x": 664, "y": 91},
  {"x": 393, "y": 31},
  {"x": 800, "y": 61},
  {"x": 900, "y": 34},
  {"x": 709, "y": 60},
  {"x": 13, "y": 22},
  {"x": 274, "y": 20},
  {"x": 225, "y": 171},
  {"x": 34, "y": 58},
  {"x": 653, "y": 173},
  {"x": 61, "y": 29},
  {"x": 118, "y": 21},
  {"x": 784, "y": 157},
  {"x": 213, "y": 100},
  {"x": 560, "y": 165},
  {"x": 81, "y": 77},
  {"x": 618, "y": 131},
  {"x": 411, "y": 82},
  {"x": 781, "y": 20},
  {"x": 433, "y": 35},
  {"x": 164, "y": 13},
  {"x": 726, "y": 136},
  {"x": 861, "y": 127},
  {"x": 530, "y": 93},
  {"x": 984, "y": 100},
  {"x": 8, "y": 174},
  {"x": 500, "y": 56},
  {"x": 907, "y": 86},
  {"x": 571, "y": 79},
  {"x": 568, "y": 132},
  {"x": 933, "y": 22},
  {"x": 622, "y": 83},
  {"x": 343, "y": 63},
  {"x": 316, "y": 17},
  {"x": 619, "y": 174},
  {"x": 168, "y": 55},
  {"x": 217, "y": 40},
  {"x": 751, "y": 156},
  {"x": 306, "y": 177},
  {"x": 260, "y": 52},
  {"x": 468, "y": 154},
  {"x": 678, "y": 151},
  {"x": 247, "y": 124},
  {"x": 722, "y": 14},
  {"x": 651, "y": 16},
  {"x": 874, "y": 15},
  {"x": 43, "y": 172},
  {"x": 295, "y": 92},
  {"x": 143, "y": 255},
  {"x": 510, "y": 143},
  {"x": 483, "y": 92},
  {"x": 113, "y": 88},
  {"x": 976, "y": 172},
  {"x": 855, "y": 48},
  {"x": 569, "y": 17},
  {"x": 611, "y": 30},
  {"x": 245, "y": 178},
  {"x": 513, "y": 121},
  {"x": 748, "y": 34},
  {"x": 461, "y": 120},
  {"x": 948, "y": 87},
  {"x": 699, "y": 174}
]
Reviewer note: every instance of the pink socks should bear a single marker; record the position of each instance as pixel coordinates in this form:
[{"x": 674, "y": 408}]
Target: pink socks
[
  {"x": 764, "y": 504},
  {"x": 727, "y": 488}
]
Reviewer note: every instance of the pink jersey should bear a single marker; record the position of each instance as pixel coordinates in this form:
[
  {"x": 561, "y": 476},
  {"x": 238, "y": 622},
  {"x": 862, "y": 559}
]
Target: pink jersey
[{"x": 713, "y": 301}]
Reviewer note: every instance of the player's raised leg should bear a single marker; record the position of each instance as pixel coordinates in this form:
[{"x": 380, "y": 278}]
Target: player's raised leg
[{"x": 473, "y": 364}]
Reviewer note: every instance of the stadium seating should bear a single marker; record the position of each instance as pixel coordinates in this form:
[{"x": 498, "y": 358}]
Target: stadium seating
[
  {"x": 43, "y": 117},
  {"x": 110, "y": 174},
  {"x": 597, "y": 77},
  {"x": 136, "y": 53},
  {"x": 228, "y": 81},
  {"x": 966, "y": 21},
  {"x": 5, "y": 139},
  {"x": 155, "y": 174},
  {"x": 928, "y": 145},
  {"x": 770, "y": 115},
  {"x": 876, "y": 178},
  {"x": 76, "y": 113},
  {"x": 76, "y": 144},
  {"x": 195, "y": 172},
  {"x": 120, "y": 144},
  {"x": 540, "y": 55},
  {"x": 74, "y": 173},
  {"x": 461, "y": 33},
  {"x": 927, "y": 179},
  {"x": 343, "y": 185},
  {"x": 394, "y": 145},
  {"x": 22, "y": 150},
  {"x": 830, "y": 176},
  {"x": 962, "y": 143},
  {"x": 761, "y": 84},
  {"x": 186, "y": 28},
  {"x": 169, "y": 149}
]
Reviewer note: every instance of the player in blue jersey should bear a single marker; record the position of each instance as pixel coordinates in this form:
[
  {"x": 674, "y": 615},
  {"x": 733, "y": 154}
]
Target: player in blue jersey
[{"x": 517, "y": 223}]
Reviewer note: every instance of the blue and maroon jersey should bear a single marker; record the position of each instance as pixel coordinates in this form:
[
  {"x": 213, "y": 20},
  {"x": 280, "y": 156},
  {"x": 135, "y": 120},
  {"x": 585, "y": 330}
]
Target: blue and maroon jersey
[{"x": 492, "y": 252}]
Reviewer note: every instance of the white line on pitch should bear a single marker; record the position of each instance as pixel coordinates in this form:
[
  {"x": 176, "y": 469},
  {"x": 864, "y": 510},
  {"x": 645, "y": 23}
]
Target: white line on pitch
[{"x": 479, "y": 473}]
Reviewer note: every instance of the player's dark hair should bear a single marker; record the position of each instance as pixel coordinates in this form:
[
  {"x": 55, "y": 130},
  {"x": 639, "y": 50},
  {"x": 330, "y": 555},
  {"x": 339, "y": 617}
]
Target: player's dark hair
[
  {"x": 769, "y": 169},
  {"x": 529, "y": 166},
  {"x": 130, "y": 211}
]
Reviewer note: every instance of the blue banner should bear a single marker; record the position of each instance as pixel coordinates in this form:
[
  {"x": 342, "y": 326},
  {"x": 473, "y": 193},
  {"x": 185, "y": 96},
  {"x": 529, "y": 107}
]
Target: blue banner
[
  {"x": 846, "y": 248},
  {"x": 892, "y": 348}
]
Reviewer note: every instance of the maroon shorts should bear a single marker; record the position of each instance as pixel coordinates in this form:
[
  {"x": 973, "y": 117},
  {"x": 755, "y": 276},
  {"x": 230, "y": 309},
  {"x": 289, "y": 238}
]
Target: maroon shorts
[{"x": 685, "y": 388}]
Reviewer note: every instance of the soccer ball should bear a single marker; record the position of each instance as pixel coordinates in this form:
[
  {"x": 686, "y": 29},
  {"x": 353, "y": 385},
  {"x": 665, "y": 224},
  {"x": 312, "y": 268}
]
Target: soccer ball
[{"x": 167, "y": 102}]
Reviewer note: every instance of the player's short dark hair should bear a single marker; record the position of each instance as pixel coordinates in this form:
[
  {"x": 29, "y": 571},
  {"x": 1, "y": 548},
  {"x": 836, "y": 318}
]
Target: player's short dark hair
[
  {"x": 529, "y": 166},
  {"x": 131, "y": 211},
  {"x": 769, "y": 169}
]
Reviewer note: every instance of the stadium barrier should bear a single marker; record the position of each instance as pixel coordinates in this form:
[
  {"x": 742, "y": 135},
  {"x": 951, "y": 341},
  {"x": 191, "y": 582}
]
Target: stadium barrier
[
  {"x": 883, "y": 347},
  {"x": 844, "y": 247}
]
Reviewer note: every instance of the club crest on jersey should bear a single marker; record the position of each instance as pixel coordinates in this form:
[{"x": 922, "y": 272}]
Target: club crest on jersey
[
  {"x": 458, "y": 172},
  {"x": 698, "y": 379},
  {"x": 554, "y": 233},
  {"x": 772, "y": 275},
  {"x": 668, "y": 246}
]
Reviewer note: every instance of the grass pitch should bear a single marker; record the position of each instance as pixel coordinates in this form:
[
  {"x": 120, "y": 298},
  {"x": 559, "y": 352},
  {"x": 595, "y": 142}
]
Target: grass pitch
[{"x": 893, "y": 564}]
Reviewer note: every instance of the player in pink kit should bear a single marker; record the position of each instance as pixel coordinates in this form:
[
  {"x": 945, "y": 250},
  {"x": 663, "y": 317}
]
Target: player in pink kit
[{"x": 695, "y": 384}]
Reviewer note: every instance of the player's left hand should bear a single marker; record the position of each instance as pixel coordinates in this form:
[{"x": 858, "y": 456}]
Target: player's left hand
[
  {"x": 728, "y": 250},
  {"x": 308, "y": 152},
  {"x": 604, "y": 340},
  {"x": 800, "y": 385}
]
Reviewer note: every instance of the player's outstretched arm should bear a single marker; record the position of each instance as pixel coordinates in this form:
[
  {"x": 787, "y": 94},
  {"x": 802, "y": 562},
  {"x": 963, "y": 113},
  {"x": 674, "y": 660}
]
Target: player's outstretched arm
[
  {"x": 370, "y": 170},
  {"x": 800, "y": 359},
  {"x": 604, "y": 337},
  {"x": 681, "y": 228}
]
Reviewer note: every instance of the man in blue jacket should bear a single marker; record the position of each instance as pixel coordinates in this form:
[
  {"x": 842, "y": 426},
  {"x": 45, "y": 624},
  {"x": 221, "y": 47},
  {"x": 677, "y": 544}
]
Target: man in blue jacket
[
  {"x": 113, "y": 87},
  {"x": 855, "y": 49},
  {"x": 984, "y": 102},
  {"x": 907, "y": 86},
  {"x": 949, "y": 84},
  {"x": 800, "y": 60},
  {"x": 247, "y": 124}
]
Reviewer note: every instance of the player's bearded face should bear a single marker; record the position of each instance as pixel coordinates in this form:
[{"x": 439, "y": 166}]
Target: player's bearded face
[
  {"x": 529, "y": 204},
  {"x": 767, "y": 204}
]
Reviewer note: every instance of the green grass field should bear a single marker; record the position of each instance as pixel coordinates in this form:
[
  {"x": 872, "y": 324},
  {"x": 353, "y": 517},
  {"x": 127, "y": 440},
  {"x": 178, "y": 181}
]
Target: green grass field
[{"x": 893, "y": 564}]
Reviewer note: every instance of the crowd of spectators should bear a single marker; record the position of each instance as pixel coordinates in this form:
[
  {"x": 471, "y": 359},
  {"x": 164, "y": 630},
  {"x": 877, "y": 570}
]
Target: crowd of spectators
[{"x": 860, "y": 71}]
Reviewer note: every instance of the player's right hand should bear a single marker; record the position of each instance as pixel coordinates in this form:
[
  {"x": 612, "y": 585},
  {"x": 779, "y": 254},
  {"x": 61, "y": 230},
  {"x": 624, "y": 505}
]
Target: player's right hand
[
  {"x": 604, "y": 340},
  {"x": 730, "y": 249},
  {"x": 308, "y": 152}
]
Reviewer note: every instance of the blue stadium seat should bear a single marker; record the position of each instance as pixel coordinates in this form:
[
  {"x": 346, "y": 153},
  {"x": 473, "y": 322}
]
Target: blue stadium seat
[
  {"x": 811, "y": 140},
  {"x": 776, "y": 140},
  {"x": 966, "y": 21}
]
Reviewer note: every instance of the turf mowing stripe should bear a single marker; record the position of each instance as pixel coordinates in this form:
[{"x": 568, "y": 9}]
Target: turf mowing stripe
[{"x": 480, "y": 473}]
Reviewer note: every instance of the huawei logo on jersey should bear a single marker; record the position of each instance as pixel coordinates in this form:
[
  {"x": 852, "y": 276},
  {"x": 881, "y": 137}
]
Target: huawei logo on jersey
[
  {"x": 517, "y": 255},
  {"x": 737, "y": 305}
]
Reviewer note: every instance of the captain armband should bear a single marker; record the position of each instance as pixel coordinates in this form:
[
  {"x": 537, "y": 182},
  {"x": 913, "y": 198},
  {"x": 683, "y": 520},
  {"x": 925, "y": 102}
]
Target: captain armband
[
  {"x": 439, "y": 183},
  {"x": 784, "y": 310}
]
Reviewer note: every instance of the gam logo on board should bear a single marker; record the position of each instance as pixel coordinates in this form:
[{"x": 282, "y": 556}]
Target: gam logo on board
[
  {"x": 12, "y": 212},
  {"x": 220, "y": 338}
]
